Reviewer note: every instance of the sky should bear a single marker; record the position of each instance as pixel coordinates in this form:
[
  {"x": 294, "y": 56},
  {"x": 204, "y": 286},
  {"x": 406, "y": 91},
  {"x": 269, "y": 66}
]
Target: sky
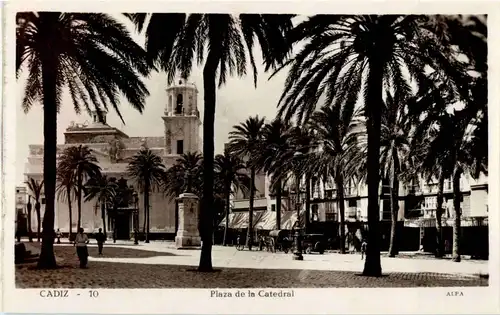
[{"x": 236, "y": 101}]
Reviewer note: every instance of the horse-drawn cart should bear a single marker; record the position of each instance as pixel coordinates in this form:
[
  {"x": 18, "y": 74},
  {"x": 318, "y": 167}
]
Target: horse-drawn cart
[{"x": 282, "y": 240}]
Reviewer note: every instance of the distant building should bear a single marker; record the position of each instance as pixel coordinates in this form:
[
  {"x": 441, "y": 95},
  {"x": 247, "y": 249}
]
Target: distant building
[{"x": 112, "y": 147}]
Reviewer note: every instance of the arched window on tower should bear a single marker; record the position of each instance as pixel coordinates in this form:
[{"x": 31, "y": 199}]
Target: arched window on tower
[{"x": 180, "y": 102}]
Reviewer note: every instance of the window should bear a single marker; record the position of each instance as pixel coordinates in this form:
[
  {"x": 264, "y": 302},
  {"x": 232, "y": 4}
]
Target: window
[
  {"x": 180, "y": 146},
  {"x": 315, "y": 215},
  {"x": 180, "y": 102},
  {"x": 273, "y": 207},
  {"x": 386, "y": 210},
  {"x": 43, "y": 201},
  {"x": 448, "y": 184},
  {"x": 352, "y": 203}
]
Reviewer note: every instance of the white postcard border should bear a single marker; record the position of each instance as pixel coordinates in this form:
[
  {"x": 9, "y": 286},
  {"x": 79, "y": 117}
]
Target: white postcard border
[{"x": 306, "y": 301}]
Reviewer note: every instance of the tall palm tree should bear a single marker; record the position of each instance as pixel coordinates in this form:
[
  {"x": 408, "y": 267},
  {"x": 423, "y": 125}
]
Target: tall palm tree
[
  {"x": 341, "y": 55},
  {"x": 302, "y": 147},
  {"x": 230, "y": 170},
  {"x": 35, "y": 187},
  {"x": 394, "y": 150},
  {"x": 67, "y": 191},
  {"x": 79, "y": 163},
  {"x": 245, "y": 141},
  {"x": 221, "y": 42},
  {"x": 331, "y": 128},
  {"x": 103, "y": 190},
  {"x": 91, "y": 54},
  {"x": 148, "y": 171},
  {"x": 274, "y": 145}
]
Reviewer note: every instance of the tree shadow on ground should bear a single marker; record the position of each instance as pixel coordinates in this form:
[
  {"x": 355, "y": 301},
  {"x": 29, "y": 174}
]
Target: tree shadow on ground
[{"x": 128, "y": 275}]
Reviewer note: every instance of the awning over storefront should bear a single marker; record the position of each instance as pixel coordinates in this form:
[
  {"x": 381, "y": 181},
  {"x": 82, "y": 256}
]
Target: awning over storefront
[
  {"x": 237, "y": 220},
  {"x": 267, "y": 221},
  {"x": 431, "y": 222},
  {"x": 263, "y": 220}
]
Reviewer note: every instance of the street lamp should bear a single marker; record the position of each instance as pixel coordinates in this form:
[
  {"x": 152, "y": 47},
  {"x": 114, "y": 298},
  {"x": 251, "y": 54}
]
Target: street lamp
[
  {"x": 136, "y": 217},
  {"x": 298, "y": 238}
]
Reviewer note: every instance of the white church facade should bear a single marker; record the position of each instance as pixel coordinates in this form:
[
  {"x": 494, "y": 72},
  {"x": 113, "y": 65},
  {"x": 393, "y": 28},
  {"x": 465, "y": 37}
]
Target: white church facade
[{"x": 112, "y": 147}]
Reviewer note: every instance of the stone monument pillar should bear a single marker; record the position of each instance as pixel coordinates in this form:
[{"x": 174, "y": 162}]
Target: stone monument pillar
[{"x": 187, "y": 233}]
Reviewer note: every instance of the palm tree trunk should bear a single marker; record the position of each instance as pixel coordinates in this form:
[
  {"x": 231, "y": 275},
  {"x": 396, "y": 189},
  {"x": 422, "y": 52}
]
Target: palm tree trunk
[
  {"x": 308, "y": 205},
  {"x": 439, "y": 216},
  {"x": 103, "y": 216},
  {"x": 250, "y": 209},
  {"x": 227, "y": 192},
  {"x": 79, "y": 199},
  {"x": 145, "y": 220},
  {"x": 456, "y": 205},
  {"x": 209, "y": 74},
  {"x": 146, "y": 207},
  {"x": 394, "y": 196},
  {"x": 341, "y": 205},
  {"x": 278, "y": 205},
  {"x": 68, "y": 192},
  {"x": 297, "y": 199},
  {"x": 38, "y": 220},
  {"x": 47, "y": 258},
  {"x": 373, "y": 121}
]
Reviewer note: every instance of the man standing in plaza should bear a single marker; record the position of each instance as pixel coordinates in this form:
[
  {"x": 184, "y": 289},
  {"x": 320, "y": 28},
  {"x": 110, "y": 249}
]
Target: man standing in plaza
[
  {"x": 100, "y": 238},
  {"x": 81, "y": 242}
]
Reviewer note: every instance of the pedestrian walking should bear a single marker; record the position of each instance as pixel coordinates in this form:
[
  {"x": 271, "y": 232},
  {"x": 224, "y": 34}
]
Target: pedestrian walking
[
  {"x": 100, "y": 238},
  {"x": 81, "y": 242},
  {"x": 363, "y": 249}
]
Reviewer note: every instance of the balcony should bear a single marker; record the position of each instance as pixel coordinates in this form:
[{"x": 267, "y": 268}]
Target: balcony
[{"x": 414, "y": 189}]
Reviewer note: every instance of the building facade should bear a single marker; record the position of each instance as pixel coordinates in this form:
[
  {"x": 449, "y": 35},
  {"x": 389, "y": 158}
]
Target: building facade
[
  {"x": 112, "y": 147},
  {"x": 416, "y": 213}
]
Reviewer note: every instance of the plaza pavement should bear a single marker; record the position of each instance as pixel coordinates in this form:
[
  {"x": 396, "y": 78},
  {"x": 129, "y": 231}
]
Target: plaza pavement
[
  {"x": 160, "y": 265},
  {"x": 229, "y": 257}
]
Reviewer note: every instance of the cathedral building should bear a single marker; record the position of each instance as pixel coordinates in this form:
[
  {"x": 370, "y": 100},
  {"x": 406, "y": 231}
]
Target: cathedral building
[{"x": 112, "y": 147}]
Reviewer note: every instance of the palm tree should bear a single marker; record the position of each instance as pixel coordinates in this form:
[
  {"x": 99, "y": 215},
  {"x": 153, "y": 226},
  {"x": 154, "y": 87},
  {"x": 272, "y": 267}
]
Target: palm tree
[
  {"x": 176, "y": 40},
  {"x": 103, "y": 190},
  {"x": 35, "y": 187},
  {"x": 67, "y": 191},
  {"x": 341, "y": 55},
  {"x": 274, "y": 145},
  {"x": 174, "y": 183},
  {"x": 28, "y": 209},
  {"x": 148, "y": 171},
  {"x": 245, "y": 141},
  {"x": 230, "y": 170},
  {"x": 91, "y": 54},
  {"x": 394, "y": 150},
  {"x": 79, "y": 163},
  {"x": 331, "y": 128}
]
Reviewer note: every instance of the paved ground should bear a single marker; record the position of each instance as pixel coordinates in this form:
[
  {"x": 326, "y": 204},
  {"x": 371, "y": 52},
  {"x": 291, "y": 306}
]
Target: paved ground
[{"x": 160, "y": 265}]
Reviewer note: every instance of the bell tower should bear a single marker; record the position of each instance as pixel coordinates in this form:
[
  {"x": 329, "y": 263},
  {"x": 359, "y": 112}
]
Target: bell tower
[{"x": 182, "y": 119}]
